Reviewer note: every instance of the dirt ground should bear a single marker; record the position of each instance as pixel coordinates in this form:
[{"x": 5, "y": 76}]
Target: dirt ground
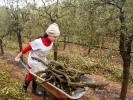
[{"x": 110, "y": 92}]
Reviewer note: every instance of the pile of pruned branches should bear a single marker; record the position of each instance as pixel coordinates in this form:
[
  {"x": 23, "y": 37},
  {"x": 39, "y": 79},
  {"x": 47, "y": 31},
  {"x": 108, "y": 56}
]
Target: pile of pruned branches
[{"x": 65, "y": 78}]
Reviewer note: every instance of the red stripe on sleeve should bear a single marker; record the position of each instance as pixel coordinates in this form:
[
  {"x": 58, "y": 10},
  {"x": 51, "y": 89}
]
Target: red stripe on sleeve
[{"x": 26, "y": 49}]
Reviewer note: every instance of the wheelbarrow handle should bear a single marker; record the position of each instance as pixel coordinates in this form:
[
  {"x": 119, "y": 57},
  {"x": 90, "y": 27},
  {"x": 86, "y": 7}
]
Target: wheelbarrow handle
[
  {"x": 47, "y": 58},
  {"x": 21, "y": 62}
]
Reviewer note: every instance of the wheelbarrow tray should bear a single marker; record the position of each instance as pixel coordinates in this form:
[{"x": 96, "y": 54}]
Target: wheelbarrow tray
[{"x": 57, "y": 92}]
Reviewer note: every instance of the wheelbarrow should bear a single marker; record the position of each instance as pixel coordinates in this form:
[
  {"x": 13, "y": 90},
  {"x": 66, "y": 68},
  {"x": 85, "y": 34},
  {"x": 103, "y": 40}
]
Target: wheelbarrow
[{"x": 55, "y": 91}]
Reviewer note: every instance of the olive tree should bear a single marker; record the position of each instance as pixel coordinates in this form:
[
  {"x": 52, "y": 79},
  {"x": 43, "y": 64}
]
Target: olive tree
[{"x": 125, "y": 41}]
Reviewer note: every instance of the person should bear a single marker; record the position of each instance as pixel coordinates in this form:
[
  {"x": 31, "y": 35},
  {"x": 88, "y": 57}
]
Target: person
[{"x": 37, "y": 48}]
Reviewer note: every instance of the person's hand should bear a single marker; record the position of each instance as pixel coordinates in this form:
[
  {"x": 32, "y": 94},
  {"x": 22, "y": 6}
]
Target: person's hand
[{"x": 17, "y": 59}]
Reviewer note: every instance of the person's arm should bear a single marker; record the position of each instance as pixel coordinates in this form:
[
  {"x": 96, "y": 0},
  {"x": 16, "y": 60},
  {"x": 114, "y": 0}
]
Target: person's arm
[
  {"x": 18, "y": 57},
  {"x": 26, "y": 49}
]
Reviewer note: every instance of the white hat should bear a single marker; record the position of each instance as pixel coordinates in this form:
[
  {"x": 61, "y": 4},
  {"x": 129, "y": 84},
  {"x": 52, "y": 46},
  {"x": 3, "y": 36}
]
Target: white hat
[{"x": 53, "y": 30}]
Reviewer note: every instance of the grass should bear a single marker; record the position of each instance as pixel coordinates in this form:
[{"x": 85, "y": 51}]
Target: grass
[
  {"x": 10, "y": 89},
  {"x": 74, "y": 56},
  {"x": 85, "y": 63}
]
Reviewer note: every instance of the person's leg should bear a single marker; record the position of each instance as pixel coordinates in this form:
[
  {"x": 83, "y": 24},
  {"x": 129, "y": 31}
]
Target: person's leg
[
  {"x": 30, "y": 78},
  {"x": 26, "y": 83},
  {"x": 34, "y": 88}
]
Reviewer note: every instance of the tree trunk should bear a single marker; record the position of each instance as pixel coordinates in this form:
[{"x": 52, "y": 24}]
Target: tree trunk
[
  {"x": 126, "y": 71},
  {"x": 64, "y": 42},
  {"x": 55, "y": 52},
  {"x": 19, "y": 41},
  {"x": 125, "y": 50},
  {"x": 1, "y": 47}
]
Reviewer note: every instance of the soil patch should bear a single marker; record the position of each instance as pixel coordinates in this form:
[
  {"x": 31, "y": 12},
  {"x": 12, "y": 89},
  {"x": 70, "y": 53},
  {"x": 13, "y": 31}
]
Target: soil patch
[{"x": 111, "y": 92}]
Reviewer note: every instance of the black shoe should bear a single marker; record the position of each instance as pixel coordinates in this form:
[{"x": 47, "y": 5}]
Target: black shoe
[
  {"x": 25, "y": 85},
  {"x": 37, "y": 92},
  {"x": 34, "y": 89}
]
